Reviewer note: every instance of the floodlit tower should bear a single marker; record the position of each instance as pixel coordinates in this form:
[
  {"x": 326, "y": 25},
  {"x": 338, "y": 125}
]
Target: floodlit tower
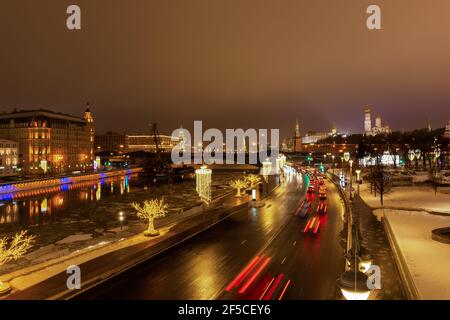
[
  {"x": 244, "y": 145},
  {"x": 333, "y": 131},
  {"x": 378, "y": 122},
  {"x": 89, "y": 118},
  {"x": 298, "y": 138},
  {"x": 447, "y": 130},
  {"x": 367, "y": 121},
  {"x": 181, "y": 139}
]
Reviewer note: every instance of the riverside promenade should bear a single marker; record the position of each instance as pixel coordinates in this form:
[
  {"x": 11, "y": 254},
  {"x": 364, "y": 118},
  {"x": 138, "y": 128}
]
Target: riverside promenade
[{"x": 48, "y": 281}]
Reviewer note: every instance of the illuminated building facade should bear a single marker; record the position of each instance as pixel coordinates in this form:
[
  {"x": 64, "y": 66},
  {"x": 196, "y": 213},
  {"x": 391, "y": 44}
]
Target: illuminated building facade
[
  {"x": 314, "y": 136},
  {"x": 50, "y": 142},
  {"x": 298, "y": 138},
  {"x": 110, "y": 141},
  {"x": 447, "y": 130},
  {"x": 146, "y": 142},
  {"x": 8, "y": 157},
  {"x": 367, "y": 121},
  {"x": 370, "y": 130}
]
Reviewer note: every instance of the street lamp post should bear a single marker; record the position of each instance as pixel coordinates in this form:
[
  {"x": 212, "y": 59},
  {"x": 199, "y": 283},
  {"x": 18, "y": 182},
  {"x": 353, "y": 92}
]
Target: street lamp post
[
  {"x": 353, "y": 282},
  {"x": 411, "y": 157},
  {"x": 346, "y": 157},
  {"x": 437, "y": 154},
  {"x": 351, "y": 177},
  {"x": 358, "y": 181},
  {"x": 334, "y": 165},
  {"x": 121, "y": 218}
]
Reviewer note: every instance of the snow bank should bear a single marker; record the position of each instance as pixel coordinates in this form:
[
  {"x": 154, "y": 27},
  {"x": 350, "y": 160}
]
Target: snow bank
[
  {"x": 75, "y": 238},
  {"x": 409, "y": 197},
  {"x": 428, "y": 261}
]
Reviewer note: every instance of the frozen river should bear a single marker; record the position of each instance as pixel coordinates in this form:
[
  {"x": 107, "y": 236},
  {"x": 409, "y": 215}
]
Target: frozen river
[{"x": 84, "y": 207}]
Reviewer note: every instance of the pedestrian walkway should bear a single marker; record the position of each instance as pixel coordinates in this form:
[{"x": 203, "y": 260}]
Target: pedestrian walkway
[{"x": 374, "y": 239}]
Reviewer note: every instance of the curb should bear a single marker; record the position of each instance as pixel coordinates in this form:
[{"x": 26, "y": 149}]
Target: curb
[
  {"x": 348, "y": 210},
  {"x": 437, "y": 213},
  {"x": 405, "y": 276}
]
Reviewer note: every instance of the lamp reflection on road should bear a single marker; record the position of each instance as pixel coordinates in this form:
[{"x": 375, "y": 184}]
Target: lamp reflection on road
[
  {"x": 98, "y": 193},
  {"x": 204, "y": 268}
]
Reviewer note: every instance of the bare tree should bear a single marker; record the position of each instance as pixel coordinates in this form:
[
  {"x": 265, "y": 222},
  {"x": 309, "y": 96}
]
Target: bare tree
[{"x": 381, "y": 181}]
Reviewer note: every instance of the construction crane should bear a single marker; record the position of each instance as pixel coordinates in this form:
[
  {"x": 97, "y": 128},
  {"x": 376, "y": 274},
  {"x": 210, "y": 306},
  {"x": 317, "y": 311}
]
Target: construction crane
[
  {"x": 156, "y": 141},
  {"x": 159, "y": 163}
]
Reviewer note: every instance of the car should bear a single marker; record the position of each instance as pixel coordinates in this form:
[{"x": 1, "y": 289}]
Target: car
[
  {"x": 313, "y": 224},
  {"x": 304, "y": 209},
  {"x": 301, "y": 204},
  {"x": 311, "y": 189},
  {"x": 323, "y": 195},
  {"x": 322, "y": 208}
]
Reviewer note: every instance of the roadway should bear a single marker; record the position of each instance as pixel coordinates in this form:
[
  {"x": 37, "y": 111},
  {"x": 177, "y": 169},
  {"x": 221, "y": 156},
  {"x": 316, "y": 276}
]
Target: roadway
[{"x": 294, "y": 264}]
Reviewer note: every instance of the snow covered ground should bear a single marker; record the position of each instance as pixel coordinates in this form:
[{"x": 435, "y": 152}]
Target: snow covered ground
[
  {"x": 415, "y": 197},
  {"x": 428, "y": 261},
  {"x": 405, "y": 208}
]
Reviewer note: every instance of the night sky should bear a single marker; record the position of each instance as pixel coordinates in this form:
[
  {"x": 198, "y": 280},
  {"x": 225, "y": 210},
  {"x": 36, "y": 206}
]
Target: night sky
[{"x": 230, "y": 63}]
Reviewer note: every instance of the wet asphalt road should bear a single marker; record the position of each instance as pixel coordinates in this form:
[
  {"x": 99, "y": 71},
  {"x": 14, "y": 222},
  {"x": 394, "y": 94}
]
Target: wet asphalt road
[{"x": 297, "y": 265}]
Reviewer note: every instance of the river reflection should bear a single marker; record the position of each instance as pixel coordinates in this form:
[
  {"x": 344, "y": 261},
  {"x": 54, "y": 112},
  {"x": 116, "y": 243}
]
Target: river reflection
[{"x": 43, "y": 206}]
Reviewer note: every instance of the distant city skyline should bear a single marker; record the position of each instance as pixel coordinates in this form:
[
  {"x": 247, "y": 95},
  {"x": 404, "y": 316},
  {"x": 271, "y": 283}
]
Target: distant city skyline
[{"x": 232, "y": 66}]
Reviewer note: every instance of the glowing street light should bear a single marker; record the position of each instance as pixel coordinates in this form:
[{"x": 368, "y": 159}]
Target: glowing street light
[
  {"x": 358, "y": 172},
  {"x": 353, "y": 285},
  {"x": 358, "y": 178},
  {"x": 365, "y": 259},
  {"x": 418, "y": 153},
  {"x": 278, "y": 164},
  {"x": 121, "y": 219},
  {"x": 353, "y": 282},
  {"x": 437, "y": 152},
  {"x": 332, "y": 157},
  {"x": 351, "y": 177},
  {"x": 411, "y": 155},
  {"x": 346, "y": 156},
  {"x": 267, "y": 167}
]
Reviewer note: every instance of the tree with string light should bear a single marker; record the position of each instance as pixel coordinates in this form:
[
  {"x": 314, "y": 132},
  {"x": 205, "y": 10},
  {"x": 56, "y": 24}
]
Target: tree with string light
[
  {"x": 12, "y": 249},
  {"x": 238, "y": 184},
  {"x": 151, "y": 210},
  {"x": 252, "y": 180}
]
